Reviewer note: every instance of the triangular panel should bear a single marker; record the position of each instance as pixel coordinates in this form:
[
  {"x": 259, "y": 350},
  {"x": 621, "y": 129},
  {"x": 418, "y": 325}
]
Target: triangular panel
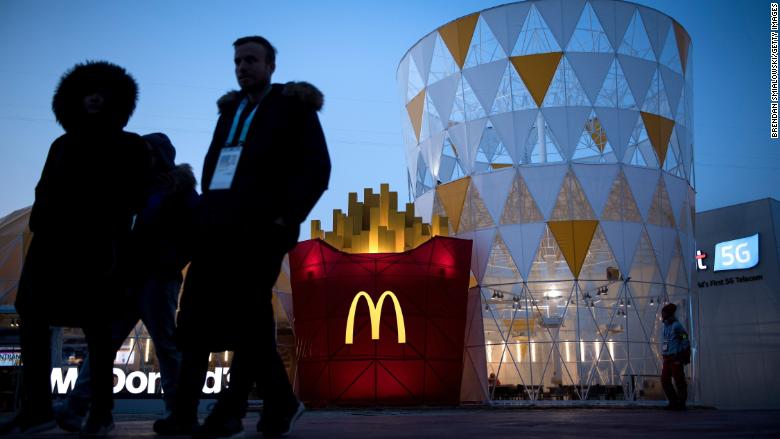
[
  {"x": 484, "y": 80},
  {"x": 452, "y": 196},
  {"x": 621, "y": 205},
  {"x": 415, "y": 110},
  {"x": 562, "y": 17},
  {"x": 485, "y": 48},
  {"x": 457, "y": 36},
  {"x": 589, "y": 35},
  {"x": 572, "y": 204},
  {"x": 422, "y": 53},
  {"x": 494, "y": 188},
  {"x": 442, "y": 93},
  {"x": 641, "y": 180},
  {"x": 659, "y": 130},
  {"x": 663, "y": 240},
  {"x": 513, "y": 130},
  {"x": 591, "y": 69},
  {"x": 523, "y": 241},
  {"x": 537, "y": 72},
  {"x": 596, "y": 181},
  {"x": 501, "y": 269},
  {"x": 566, "y": 124},
  {"x": 623, "y": 238},
  {"x": 657, "y": 27},
  {"x": 544, "y": 183},
  {"x": 614, "y": 17},
  {"x": 635, "y": 41},
  {"x": 638, "y": 73},
  {"x": 474, "y": 214},
  {"x": 619, "y": 126},
  {"x": 506, "y": 22},
  {"x": 520, "y": 207},
  {"x": 535, "y": 36},
  {"x": 573, "y": 238}
]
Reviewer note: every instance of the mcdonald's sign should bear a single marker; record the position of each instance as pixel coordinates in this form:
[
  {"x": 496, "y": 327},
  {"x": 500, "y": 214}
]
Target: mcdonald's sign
[
  {"x": 380, "y": 328},
  {"x": 375, "y": 313}
]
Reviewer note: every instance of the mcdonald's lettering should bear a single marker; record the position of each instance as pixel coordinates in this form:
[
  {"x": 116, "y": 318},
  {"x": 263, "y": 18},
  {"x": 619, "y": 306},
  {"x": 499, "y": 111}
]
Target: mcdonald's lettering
[{"x": 375, "y": 313}]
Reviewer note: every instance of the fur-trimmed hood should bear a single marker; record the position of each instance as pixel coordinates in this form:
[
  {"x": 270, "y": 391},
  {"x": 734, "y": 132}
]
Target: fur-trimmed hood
[
  {"x": 119, "y": 90},
  {"x": 303, "y": 91}
]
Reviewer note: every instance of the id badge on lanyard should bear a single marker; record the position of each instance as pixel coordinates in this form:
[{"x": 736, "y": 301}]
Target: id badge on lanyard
[{"x": 227, "y": 163}]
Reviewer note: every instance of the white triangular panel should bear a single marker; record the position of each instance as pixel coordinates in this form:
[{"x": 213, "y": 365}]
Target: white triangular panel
[
  {"x": 562, "y": 17},
  {"x": 485, "y": 79},
  {"x": 638, "y": 73},
  {"x": 434, "y": 152},
  {"x": 657, "y": 27},
  {"x": 589, "y": 35},
  {"x": 623, "y": 238},
  {"x": 466, "y": 138},
  {"x": 415, "y": 81},
  {"x": 635, "y": 41},
  {"x": 442, "y": 94},
  {"x": 472, "y": 107},
  {"x": 494, "y": 188},
  {"x": 535, "y": 35},
  {"x": 670, "y": 56},
  {"x": 643, "y": 183},
  {"x": 677, "y": 188},
  {"x": 403, "y": 78},
  {"x": 422, "y": 53},
  {"x": 614, "y": 17},
  {"x": 423, "y": 206},
  {"x": 674, "y": 84},
  {"x": 513, "y": 129},
  {"x": 663, "y": 239},
  {"x": 523, "y": 241},
  {"x": 596, "y": 181},
  {"x": 412, "y": 155},
  {"x": 567, "y": 124},
  {"x": 544, "y": 183},
  {"x": 619, "y": 125},
  {"x": 442, "y": 62},
  {"x": 482, "y": 241},
  {"x": 506, "y": 22},
  {"x": 591, "y": 69}
]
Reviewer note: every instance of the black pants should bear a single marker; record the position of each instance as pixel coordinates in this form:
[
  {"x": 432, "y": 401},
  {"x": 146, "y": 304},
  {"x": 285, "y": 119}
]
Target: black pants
[
  {"x": 35, "y": 337},
  {"x": 255, "y": 359},
  {"x": 258, "y": 364},
  {"x": 674, "y": 369}
]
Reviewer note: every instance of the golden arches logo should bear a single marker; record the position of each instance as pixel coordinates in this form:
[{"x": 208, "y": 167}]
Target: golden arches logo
[{"x": 375, "y": 313}]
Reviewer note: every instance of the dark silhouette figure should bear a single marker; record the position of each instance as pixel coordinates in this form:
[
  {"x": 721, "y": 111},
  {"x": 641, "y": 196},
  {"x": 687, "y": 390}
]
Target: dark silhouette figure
[
  {"x": 94, "y": 181},
  {"x": 676, "y": 353},
  {"x": 265, "y": 169},
  {"x": 159, "y": 249}
]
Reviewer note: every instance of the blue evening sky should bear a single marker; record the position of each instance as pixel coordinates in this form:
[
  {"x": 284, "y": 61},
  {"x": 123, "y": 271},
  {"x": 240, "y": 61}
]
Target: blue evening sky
[{"x": 180, "y": 53}]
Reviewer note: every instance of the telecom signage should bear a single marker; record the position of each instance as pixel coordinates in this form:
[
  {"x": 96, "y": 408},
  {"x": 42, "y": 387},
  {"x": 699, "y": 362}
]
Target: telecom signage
[{"x": 737, "y": 254}]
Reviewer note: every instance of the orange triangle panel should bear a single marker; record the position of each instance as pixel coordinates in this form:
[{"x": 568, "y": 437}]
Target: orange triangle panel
[
  {"x": 415, "y": 110},
  {"x": 659, "y": 130},
  {"x": 457, "y": 36},
  {"x": 452, "y": 196},
  {"x": 537, "y": 72},
  {"x": 682, "y": 44},
  {"x": 573, "y": 238}
]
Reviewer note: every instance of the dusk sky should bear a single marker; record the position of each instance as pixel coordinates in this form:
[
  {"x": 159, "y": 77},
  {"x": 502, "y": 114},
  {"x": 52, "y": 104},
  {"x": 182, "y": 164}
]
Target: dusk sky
[{"x": 181, "y": 55}]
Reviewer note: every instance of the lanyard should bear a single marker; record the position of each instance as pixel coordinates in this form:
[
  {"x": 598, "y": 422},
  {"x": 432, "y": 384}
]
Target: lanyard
[{"x": 247, "y": 122}]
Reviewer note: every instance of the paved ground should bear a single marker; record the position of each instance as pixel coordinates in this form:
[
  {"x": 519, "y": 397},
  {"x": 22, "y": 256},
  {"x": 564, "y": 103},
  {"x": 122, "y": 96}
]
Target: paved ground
[{"x": 548, "y": 423}]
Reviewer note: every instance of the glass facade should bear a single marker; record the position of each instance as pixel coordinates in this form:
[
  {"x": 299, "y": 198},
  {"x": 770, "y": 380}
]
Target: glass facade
[{"x": 558, "y": 137}]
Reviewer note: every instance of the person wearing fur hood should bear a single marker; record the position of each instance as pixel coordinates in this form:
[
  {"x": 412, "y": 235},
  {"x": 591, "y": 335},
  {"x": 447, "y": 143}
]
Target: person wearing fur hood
[
  {"x": 266, "y": 168},
  {"x": 95, "y": 179},
  {"x": 159, "y": 249}
]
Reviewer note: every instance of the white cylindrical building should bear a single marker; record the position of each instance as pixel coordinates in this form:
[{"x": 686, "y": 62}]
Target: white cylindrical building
[{"x": 557, "y": 135}]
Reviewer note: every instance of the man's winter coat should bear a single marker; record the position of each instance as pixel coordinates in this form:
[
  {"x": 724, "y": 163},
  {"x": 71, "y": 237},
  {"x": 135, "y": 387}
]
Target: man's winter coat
[
  {"x": 246, "y": 230},
  {"x": 94, "y": 181}
]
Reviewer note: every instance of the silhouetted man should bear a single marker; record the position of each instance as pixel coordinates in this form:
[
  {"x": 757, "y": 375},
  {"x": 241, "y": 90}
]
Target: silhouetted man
[
  {"x": 676, "y": 354},
  {"x": 265, "y": 169}
]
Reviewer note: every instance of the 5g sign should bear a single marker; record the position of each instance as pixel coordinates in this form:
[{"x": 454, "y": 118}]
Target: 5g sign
[{"x": 738, "y": 254}]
